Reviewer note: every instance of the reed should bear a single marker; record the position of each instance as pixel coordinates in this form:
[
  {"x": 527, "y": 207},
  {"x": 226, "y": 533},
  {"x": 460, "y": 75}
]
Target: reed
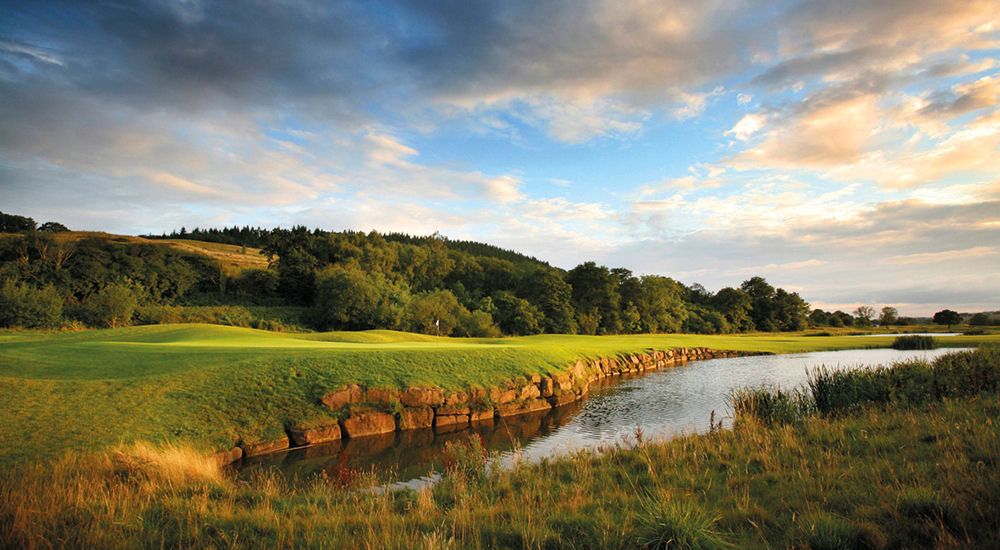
[{"x": 914, "y": 341}]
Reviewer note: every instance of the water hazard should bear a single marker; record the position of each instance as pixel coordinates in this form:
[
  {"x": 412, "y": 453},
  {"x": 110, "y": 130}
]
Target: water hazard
[{"x": 660, "y": 403}]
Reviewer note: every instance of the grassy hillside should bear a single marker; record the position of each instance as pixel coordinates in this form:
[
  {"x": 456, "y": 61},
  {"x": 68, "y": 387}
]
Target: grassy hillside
[
  {"x": 210, "y": 385},
  {"x": 230, "y": 257}
]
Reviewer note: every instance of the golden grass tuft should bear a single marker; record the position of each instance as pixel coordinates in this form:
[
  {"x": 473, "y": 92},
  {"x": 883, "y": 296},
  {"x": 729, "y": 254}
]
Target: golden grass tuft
[{"x": 162, "y": 463}]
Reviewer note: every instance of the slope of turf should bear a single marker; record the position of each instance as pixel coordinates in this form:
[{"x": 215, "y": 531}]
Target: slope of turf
[{"x": 209, "y": 385}]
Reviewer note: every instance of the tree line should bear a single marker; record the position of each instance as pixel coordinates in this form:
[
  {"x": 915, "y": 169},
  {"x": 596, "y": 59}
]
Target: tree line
[{"x": 355, "y": 281}]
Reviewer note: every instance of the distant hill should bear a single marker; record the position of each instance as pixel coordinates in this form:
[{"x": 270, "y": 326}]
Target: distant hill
[
  {"x": 257, "y": 237},
  {"x": 230, "y": 256},
  {"x": 473, "y": 248}
]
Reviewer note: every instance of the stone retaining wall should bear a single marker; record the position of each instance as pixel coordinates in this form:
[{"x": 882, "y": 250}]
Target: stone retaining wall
[{"x": 365, "y": 412}]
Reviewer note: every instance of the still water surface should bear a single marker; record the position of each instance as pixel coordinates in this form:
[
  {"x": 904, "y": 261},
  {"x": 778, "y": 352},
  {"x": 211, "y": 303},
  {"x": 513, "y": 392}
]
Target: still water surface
[{"x": 662, "y": 403}]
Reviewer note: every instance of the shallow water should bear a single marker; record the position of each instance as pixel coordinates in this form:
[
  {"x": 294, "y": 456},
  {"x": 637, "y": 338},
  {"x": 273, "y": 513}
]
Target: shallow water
[
  {"x": 907, "y": 334},
  {"x": 660, "y": 403}
]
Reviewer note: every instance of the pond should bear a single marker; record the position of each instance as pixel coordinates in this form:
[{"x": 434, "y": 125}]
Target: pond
[
  {"x": 939, "y": 334},
  {"x": 661, "y": 403}
]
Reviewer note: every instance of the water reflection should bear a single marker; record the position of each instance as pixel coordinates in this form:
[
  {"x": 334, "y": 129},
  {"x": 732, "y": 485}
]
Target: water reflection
[{"x": 661, "y": 403}]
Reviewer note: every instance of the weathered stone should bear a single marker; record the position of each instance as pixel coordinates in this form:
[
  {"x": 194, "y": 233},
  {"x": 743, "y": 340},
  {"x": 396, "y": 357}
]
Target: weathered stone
[
  {"x": 523, "y": 407},
  {"x": 380, "y": 395},
  {"x": 452, "y": 410},
  {"x": 478, "y": 395},
  {"x": 224, "y": 458},
  {"x": 451, "y": 420},
  {"x": 340, "y": 398},
  {"x": 547, "y": 386},
  {"x": 456, "y": 398},
  {"x": 481, "y": 416},
  {"x": 501, "y": 396},
  {"x": 528, "y": 392},
  {"x": 311, "y": 436},
  {"x": 258, "y": 448},
  {"x": 421, "y": 397},
  {"x": 535, "y": 378},
  {"x": 416, "y": 418},
  {"x": 563, "y": 385},
  {"x": 365, "y": 423}
]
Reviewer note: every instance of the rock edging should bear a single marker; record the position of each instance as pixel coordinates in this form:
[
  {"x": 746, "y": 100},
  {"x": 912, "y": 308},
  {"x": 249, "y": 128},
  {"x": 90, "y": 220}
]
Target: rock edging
[{"x": 375, "y": 411}]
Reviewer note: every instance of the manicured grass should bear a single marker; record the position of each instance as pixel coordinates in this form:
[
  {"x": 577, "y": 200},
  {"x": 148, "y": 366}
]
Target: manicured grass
[
  {"x": 208, "y": 386},
  {"x": 902, "y": 476}
]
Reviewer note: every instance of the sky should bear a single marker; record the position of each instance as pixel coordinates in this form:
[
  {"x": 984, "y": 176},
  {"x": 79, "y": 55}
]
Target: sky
[{"x": 845, "y": 150}]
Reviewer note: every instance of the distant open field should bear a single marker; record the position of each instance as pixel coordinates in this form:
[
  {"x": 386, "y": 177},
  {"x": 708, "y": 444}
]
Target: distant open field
[
  {"x": 208, "y": 385},
  {"x": 231, "y": 257}
]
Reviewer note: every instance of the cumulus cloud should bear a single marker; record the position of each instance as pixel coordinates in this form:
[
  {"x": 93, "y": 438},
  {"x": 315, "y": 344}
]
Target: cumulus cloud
[
  {"x": 747, "y": 126},
  {"x": 858, "y": 128}
]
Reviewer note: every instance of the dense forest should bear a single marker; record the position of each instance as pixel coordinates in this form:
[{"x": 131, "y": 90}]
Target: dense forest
[{"x": 355, "y": 281}]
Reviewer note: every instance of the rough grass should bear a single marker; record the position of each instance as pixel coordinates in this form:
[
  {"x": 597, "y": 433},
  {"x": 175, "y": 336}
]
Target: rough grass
[
  {"x": 208, "y": 385},
  {"x": 922, "y": 476}
]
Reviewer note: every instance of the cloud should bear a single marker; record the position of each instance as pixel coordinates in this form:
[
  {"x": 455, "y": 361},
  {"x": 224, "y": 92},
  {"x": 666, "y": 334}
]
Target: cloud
[
  {"x": 866, "y": 130},
  {"x": 823, "y": 136},
  {"x": 747, "y": 126},
  {"x": 573, "y": 122},
  {"x": 965, "y": 97},
  {"x": 889, "y": 253},
  {"x": 945, "y": 256}
]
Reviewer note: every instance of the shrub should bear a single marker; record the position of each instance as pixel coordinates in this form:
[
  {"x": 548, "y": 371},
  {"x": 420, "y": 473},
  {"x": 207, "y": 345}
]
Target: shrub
[
  {"x": 112, "y": 306},
  {"x": 23, "y": 305},
  {"x": 479, "y": 324},
  {"x": 914, "y": 341}
]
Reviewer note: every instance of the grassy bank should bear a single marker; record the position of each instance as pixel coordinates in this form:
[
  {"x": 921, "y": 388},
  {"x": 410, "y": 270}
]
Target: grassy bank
[
  {"x": 905, "y": 473},
  {"x": 208, "y": 386}
]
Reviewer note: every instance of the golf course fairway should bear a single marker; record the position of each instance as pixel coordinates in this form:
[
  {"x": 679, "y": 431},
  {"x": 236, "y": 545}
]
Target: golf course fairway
[{"x": 208, "y": 386}]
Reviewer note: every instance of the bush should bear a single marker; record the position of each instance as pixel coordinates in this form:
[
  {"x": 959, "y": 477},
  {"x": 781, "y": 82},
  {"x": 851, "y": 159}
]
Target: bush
[
  {"x": 913, "y": 341},
  {"x": 112, "y": 306},
  {"x": 25, "y": 306},
  {"x": 479, "y": 324}
]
